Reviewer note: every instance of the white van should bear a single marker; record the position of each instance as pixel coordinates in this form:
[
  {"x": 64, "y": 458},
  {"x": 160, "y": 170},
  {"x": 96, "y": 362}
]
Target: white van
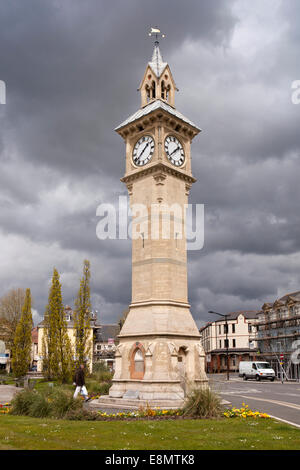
[{"x": 256, "y": 370}]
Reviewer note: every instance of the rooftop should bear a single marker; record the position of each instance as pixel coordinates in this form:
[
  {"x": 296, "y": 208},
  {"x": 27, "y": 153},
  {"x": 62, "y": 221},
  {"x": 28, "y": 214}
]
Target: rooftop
[
  {"x": 157, "y": 64},
  {"x": 157, "y": 104}
]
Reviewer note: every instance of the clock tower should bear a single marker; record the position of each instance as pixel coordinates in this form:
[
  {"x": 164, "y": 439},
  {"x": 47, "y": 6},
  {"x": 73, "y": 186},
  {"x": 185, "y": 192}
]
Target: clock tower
[{"x": 159, "y": 356}]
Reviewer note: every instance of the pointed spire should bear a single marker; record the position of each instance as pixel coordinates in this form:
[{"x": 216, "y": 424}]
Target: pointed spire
[{"x": 157, "y": 64}]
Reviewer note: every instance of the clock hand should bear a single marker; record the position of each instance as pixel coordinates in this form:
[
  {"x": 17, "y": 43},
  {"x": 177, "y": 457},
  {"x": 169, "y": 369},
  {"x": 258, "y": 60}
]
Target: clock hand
[
  {"x": 174, "y": 151},
  {"x": 143, "y": 150}
]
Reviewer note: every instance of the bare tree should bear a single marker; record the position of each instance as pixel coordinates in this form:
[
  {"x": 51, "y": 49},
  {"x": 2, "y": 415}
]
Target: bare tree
[{"x": 11, "y": 305}]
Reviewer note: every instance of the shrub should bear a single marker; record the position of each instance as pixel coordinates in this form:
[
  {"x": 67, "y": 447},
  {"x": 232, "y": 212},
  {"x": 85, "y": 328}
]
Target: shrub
[
  {"x": 62, "y": 402},
  {"x": 22, "y": 402},
  {"x": 101, "y": 372},
  {"x": 81, "y": 415},
  {"x": 40, "y": 406},
  {"x": 202, "y": 403},
  {"x": 104, "y": 388},
  {"x": 98, "y": 388},
  {"x": 44, "y": 403}
]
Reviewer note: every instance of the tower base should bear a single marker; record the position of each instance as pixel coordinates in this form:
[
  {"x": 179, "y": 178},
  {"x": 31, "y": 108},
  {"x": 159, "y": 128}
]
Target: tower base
[{"x": 171, "y": 366}]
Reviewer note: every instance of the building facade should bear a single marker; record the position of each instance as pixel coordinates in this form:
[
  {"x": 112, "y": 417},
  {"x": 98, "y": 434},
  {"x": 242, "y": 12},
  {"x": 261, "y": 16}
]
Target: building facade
[
  {"x": 34, "y": 348},
  {"x": 241, "y": 336},
  {"x": 105, "y": 344},
  {"x": 69, "y": 317},
  {"x": 104, "y": 340},
  {"x": 278, "y": 331}
]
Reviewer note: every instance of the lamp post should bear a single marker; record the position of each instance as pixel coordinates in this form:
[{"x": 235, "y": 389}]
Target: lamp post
[{"x": 226, "y": 340}]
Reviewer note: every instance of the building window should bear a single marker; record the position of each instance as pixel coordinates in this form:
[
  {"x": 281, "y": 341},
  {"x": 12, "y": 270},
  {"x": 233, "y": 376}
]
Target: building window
[
  {"x": 226, "y": 343},
  {"x": 219, "y": 329},
  {"x": 225, "y": 329},
  {"x": 220, "y": 344},
  {"x": 249, "y": 328},
  {"x": 233, "y": 327},
  {"x": 233, "y": 343}
]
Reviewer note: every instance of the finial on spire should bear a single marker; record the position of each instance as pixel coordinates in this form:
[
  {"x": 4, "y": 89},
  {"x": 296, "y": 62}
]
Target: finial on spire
[{"x": 157, "y": 32}]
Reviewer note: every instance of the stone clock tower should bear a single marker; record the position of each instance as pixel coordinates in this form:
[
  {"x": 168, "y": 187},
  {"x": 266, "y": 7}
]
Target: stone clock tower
[{"x": 159, "y": 356}]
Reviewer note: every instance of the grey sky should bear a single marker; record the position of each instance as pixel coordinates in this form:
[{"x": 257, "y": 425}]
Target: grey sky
[{"x": 72, "y": 69}]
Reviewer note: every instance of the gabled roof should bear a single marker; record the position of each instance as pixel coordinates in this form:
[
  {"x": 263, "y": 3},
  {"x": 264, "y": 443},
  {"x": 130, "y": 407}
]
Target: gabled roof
[
  {"x": 248, "y": 314},
  {"x": 267, "y": 305},
  {"x": 157, "y": 104},
  {"x": 295, "y": 295}
]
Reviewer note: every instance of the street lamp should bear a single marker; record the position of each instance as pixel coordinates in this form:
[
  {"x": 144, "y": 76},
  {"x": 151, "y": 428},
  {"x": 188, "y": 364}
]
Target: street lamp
[{"x": 226, "y": 340}]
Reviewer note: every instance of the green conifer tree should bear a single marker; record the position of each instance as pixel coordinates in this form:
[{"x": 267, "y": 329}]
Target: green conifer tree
[
  {"x": 22, "y": 339},
  {"x": 57, "y": 351},
  {"x": 83, "y": 340}
]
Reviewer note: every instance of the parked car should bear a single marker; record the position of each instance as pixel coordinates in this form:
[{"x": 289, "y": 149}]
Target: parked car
[{"x": 256, "y": 370}]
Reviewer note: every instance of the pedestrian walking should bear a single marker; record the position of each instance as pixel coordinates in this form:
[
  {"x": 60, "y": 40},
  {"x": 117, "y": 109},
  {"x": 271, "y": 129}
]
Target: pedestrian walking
[{"x": 79, "y": 381}]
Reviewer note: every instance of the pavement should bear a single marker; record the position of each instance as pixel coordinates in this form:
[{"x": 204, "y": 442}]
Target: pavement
[
  {"x": 7, "y": 392},
  {"x": 279, "y": 400}
]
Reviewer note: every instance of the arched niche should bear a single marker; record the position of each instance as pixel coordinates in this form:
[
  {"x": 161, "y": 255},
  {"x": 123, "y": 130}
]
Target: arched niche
[{"x": 137, "y": 361}]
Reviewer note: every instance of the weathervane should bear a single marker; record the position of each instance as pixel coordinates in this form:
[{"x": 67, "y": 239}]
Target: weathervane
[{"x": 157, "y": 32}]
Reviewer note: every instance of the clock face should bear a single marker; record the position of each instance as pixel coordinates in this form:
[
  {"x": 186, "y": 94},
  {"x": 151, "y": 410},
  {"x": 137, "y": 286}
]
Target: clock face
[
  {"x": 174, "y": 150},
  {"x": 143, "y": 150}
]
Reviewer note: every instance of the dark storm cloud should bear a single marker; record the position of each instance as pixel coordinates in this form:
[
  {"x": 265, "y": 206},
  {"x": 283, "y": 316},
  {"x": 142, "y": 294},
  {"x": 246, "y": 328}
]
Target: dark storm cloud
[{"x": 72, "y": 69}]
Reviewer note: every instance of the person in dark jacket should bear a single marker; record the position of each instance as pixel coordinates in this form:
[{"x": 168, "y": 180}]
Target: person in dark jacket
[{"x": 79, "y": 381}]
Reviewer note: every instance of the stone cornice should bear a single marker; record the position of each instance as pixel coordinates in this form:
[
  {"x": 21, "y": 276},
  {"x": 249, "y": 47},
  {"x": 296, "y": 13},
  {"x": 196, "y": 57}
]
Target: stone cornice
[
  {"x": 174, "y": 303},
  {"x": 159, "y": 334},
  {"x": 156, "y": 170},
  {"x": 185, "y": 128}
]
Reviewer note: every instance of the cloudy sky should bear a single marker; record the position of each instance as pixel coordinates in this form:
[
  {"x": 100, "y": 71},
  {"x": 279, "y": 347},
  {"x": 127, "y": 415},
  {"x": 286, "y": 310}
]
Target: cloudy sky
[{"x": 72, "y": 69}]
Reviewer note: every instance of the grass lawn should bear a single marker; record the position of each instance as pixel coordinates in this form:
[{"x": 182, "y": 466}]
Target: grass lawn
[{"x": 18, "y": 432}]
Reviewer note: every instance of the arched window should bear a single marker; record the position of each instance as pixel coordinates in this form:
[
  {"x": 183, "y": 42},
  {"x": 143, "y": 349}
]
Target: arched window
[
  {"x": 168, "y": 93},
  {"x": 153, "y": 90},
  {"x": 137, "y": 363},
  {"x": 163, "y": 89},
  {"x": 147, "y": 93}
]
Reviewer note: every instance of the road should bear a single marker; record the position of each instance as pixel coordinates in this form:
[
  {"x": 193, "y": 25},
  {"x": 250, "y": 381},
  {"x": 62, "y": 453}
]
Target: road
[{"x": 276, "y": 399}]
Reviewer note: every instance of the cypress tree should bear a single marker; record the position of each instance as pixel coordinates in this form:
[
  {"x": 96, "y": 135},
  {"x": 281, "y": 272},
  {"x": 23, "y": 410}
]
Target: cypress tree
[
  {"x": 82, "y": 313},
  {"x": 22, "y": 339},
  {"x": 57, "y": 351}
]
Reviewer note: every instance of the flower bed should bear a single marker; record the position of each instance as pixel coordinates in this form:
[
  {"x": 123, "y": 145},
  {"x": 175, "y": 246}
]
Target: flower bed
[
  {"x": 149, "y": 413},
  {"x": 4, "y": 409},
  {"x": 142, "y": 413},
  {"x": 244, "y": 412}
]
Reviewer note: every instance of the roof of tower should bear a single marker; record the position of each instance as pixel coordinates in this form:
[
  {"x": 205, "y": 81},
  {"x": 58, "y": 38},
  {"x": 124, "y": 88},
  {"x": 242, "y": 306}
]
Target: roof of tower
[
  {"x": 157, "y": 64},
  {"x": 157, "y": 104}
]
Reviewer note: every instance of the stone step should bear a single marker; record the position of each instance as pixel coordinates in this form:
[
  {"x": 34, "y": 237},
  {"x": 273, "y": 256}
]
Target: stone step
[
  {"x": 133, "y": 404},
  {"x": 106, "y": 402}
]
